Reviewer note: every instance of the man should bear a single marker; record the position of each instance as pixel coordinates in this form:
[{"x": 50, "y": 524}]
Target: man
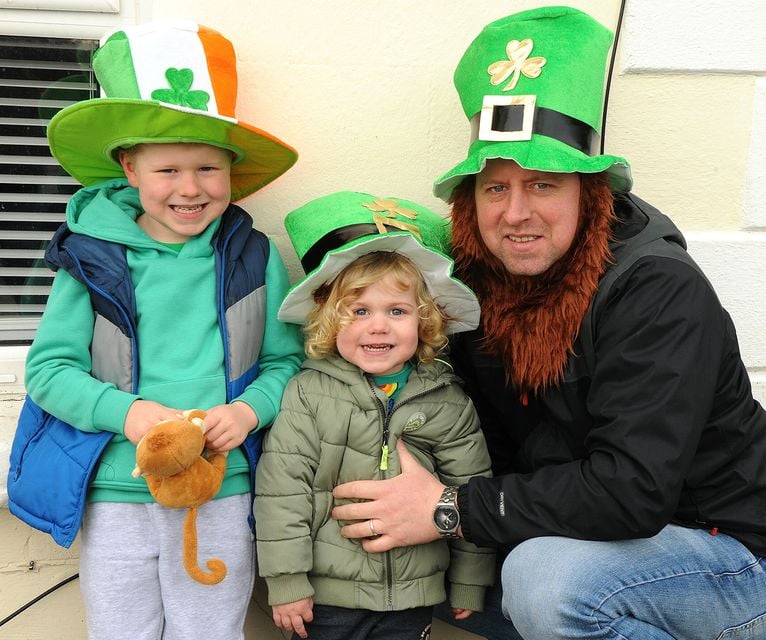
[{"x": 630, "y": 488}]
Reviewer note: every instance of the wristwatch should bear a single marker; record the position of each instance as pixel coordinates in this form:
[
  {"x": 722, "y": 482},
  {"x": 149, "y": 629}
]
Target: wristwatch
[{"x": 446, "y": 514}]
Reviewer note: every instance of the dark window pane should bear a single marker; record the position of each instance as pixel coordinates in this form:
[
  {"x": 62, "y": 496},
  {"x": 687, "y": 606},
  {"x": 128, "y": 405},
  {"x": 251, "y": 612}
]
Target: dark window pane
[{"x": 38, "y": 78}]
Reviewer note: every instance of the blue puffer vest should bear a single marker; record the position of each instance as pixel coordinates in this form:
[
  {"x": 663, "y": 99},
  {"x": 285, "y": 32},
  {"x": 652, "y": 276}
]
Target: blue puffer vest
[{"x": 51, "y": 462}]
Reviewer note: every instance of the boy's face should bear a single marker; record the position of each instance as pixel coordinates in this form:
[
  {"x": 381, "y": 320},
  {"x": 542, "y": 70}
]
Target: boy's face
[
  {"x": 183, "y": 187},
  {"x": 384, "y": 332}
]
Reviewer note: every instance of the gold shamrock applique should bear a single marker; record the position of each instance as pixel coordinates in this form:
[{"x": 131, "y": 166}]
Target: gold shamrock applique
[
  {"x": 390, "y": 209},
  {"x": 518, "y": 63},
  {"x": 180, "y": 92}
]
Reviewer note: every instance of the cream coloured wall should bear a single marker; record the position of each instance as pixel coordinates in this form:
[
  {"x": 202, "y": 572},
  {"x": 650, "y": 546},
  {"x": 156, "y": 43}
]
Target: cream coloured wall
[{"x": 362, "y": 88}]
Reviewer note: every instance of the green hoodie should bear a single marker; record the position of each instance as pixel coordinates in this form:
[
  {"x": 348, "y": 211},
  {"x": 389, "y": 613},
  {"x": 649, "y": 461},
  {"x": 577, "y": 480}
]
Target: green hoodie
[{"x": 180, "y": 349}]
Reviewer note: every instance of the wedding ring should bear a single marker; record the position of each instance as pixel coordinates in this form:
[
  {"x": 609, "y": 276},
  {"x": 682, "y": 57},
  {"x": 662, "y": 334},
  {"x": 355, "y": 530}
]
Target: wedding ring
[{"x": 372, "y": 528}]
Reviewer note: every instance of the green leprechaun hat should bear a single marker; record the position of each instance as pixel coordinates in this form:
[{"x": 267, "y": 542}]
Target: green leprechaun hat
[
  {"x": 168, "y": 81},
  {"x": 330, "y": 232},
  {"x": 532, "y": 86}
]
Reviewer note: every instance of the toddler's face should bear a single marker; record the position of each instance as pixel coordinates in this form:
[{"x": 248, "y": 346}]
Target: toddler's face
[
  {"x": 183, "y": 187},
  {"x": 384, "y": 333}
]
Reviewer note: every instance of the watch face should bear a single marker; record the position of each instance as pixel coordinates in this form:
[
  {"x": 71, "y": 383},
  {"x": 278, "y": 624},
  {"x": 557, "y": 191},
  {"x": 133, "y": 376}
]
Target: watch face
[{"x": 446, "y": 518}]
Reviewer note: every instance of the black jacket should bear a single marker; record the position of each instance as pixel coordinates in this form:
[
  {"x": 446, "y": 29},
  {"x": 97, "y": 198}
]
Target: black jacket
[{"x": 653, "y": 423}]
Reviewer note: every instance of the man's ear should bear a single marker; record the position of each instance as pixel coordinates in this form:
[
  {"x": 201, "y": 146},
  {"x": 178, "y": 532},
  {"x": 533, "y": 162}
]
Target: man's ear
[{"x": 128, "y": 166}]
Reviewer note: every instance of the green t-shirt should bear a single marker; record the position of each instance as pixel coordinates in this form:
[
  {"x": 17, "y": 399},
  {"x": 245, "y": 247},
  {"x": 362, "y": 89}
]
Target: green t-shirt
[{"x": 393, "y": 384}]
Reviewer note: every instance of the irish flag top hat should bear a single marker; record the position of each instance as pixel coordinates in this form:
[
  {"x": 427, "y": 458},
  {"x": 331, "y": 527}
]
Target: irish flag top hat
[
  {"x": 164, "y": 82},
  {"x": 330, "y": 232},
  {"x": 532, "y": 87}
]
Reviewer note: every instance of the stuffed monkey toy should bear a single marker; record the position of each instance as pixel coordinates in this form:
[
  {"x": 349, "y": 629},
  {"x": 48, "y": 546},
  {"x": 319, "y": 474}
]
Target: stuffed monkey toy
[{"x": 181, "y": 474}]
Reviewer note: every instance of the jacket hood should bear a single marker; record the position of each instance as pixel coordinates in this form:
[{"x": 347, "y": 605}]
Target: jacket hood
[
  {"x": 107, "y": 211},
  {"x": 336, "y": 367},
  {"x": 640, "y": 221}
]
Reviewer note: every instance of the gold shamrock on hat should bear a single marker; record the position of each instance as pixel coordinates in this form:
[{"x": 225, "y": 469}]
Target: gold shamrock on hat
[
  {"x": 518, "y": 63},
  {"x": 390, "y": 209}
]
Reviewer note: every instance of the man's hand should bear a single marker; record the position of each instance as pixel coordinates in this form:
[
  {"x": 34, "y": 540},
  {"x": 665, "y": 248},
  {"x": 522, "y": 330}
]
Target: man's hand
[{"x": 400, "y": 508}]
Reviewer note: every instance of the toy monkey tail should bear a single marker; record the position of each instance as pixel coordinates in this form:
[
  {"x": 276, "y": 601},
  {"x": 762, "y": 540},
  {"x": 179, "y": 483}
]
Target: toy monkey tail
[{"x": 216, "y": 566}]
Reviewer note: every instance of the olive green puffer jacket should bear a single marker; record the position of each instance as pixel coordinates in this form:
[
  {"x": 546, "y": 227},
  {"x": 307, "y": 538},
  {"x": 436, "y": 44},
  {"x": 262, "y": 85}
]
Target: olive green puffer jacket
[{"x": 330, "y": 430}]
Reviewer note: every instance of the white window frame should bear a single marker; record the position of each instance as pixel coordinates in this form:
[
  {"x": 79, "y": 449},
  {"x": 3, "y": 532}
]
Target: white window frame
[
  {"x": 90, "y": 19},
  {"x": 103, "y": 6}
]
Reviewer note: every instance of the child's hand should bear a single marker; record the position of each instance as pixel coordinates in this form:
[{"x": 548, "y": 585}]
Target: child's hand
[
  {"x": 292, "y": 615},
  {"x": 462, "y": 614},
  {"x": 227, "y": 425},
  {"x": 143, "y": 415}
]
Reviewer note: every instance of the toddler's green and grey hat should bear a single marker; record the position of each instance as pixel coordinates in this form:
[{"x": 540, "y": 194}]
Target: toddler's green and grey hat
[
  {"x": 330, "y": 232},
  {"x": 532, "y": 87},
  {"x": 164, "y": 82}
]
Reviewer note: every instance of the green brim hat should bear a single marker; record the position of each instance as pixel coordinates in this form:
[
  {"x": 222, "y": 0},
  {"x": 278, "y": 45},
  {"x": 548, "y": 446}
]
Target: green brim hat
[
  {"x": 164, "y": 82},
  {"x": 532, "y": 86},
  {"x": 329, "y": 233}
]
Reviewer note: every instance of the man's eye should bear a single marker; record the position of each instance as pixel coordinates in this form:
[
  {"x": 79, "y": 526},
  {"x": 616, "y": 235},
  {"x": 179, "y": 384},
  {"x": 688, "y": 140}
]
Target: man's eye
[
  {"x": 542, "y": 186},
  {"x": 496, "y": 188}
]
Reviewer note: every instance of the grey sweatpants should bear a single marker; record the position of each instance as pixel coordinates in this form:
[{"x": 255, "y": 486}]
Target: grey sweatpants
[{"x": 133, "y": 581}]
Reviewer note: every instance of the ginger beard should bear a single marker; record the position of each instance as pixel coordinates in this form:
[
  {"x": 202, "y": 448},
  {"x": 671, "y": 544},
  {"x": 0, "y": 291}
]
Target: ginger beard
[{"x": 531, "y": 322}]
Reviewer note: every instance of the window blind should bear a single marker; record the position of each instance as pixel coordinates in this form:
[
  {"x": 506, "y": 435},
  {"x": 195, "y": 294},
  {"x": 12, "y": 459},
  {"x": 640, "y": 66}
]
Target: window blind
[{"x": 38, "y": 77}]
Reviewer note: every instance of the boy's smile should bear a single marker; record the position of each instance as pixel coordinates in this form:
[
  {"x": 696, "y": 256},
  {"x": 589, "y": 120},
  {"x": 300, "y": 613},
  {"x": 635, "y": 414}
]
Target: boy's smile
[{"x": 183, "y": 187}]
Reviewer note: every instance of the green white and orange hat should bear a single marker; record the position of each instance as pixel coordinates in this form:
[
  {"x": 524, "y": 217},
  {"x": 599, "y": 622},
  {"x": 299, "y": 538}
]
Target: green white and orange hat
[
  {"x": 532, "y": 87},
  {"x": 164, "y": 82},
  {"x": 330, "y": 232}
]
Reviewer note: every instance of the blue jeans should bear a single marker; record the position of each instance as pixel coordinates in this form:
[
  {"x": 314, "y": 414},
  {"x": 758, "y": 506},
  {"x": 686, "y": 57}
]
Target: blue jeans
[{"x": 681, "y": 584}]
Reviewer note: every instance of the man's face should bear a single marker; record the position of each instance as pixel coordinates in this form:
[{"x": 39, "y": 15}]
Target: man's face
[{"x": 527, "y": 219}]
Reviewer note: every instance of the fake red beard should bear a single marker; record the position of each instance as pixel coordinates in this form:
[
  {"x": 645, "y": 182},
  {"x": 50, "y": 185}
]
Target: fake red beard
[{"x": 531, "y": 322}]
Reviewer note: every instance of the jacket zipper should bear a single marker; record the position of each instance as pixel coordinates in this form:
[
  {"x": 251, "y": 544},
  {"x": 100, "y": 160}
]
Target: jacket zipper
[
  {"x": 386, "y": 412},
  {"x": 386, "y": 415},
  {"x": 222, "y": 308}
]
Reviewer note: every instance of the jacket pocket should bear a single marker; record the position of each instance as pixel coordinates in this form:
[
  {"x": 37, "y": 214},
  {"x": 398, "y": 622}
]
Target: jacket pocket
[{"x": 50, "y": 470}]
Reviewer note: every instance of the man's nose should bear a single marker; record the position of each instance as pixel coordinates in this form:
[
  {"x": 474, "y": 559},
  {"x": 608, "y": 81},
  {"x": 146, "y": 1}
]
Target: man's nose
[{"x": 517, "y": 207}]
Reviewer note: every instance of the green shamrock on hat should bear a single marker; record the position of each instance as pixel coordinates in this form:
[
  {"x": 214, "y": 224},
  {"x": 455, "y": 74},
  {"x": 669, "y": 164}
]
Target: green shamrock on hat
[{"x": 180, "y": 92}]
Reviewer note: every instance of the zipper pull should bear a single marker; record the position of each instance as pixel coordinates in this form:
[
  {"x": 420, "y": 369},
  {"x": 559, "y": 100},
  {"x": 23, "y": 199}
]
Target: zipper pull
[{"x": 384, "y": 458}]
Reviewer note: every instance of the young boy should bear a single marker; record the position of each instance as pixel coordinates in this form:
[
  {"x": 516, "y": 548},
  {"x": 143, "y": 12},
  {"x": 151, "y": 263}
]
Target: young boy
[
  {"x": 165, "y": 299},
  {"x": 377, "y": 305}
]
